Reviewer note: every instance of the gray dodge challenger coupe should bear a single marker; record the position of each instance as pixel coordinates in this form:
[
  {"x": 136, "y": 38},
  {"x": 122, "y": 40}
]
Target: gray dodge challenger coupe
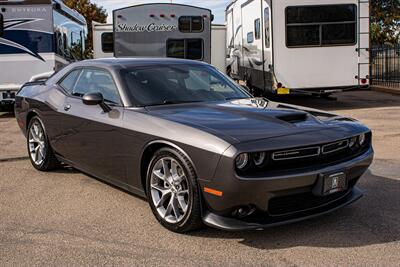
[{"x": 193, "y": 142}]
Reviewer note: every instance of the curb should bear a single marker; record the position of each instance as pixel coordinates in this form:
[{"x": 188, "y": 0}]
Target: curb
[{"x": 395, "y": 91}]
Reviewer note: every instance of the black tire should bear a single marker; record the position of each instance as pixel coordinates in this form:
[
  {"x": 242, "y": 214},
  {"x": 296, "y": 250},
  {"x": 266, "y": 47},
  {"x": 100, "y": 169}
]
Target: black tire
[
  {"x": 50, "y": 162},
  {"x": 192, "y": 218}
]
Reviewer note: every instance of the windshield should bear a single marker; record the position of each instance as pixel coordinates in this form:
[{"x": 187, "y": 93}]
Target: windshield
[{"x": 178, "y": 83}]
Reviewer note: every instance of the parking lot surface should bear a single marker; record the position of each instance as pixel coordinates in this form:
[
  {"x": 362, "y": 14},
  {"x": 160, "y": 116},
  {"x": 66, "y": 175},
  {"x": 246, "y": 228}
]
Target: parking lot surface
[{"x": 68, "y": 218}]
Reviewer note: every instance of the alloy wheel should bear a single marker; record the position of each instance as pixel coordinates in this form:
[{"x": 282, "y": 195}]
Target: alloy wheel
[
  {"x": 169, "y": 189},
  {"x": 37, "y": 144}
]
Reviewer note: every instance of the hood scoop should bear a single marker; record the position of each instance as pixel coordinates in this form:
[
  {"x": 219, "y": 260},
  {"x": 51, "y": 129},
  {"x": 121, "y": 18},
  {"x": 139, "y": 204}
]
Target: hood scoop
[{"x": 293, "y": 117}]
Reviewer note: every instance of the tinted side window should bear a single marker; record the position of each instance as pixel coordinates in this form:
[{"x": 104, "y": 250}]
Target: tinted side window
[
  {"x": 69, "y": 36},
  {"x": 93, "y": 81},
  {"x": 303, "y": 35},
  {"x": 250, "y": 37},
  {"x": 320, "y": 14},
  {"x": 185, "y": 48},
  {"x": 176, "y": 48},
  {"x": 184, "y": 24},
  {"x": 191, "y": 24},
  {"x": 257, "y": 29},
  {"x": 197, "y": 24},
  {"x": 69, "y": 81},
  {"x": 321, "y": 25},
  {"x": 194, "y": 49},
  {"x": 267, "y": 27},
  {"x": 107, "y": 42},
  {"x": 1, "y": 25}
]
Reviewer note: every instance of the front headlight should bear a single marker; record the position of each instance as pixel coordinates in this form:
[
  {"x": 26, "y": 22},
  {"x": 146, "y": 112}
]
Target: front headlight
[
  {"x": 361, "y": 139},
  {"x": 259, "y": 158},
  {"x": 352, "y": 142},
  {"x": 242, "y": 160}
]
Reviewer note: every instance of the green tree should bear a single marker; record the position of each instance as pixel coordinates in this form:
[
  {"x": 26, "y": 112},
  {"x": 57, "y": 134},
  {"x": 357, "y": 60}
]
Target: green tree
[
  {"x": 385, "y": 21},
  {"x": 91, "y": 12}
]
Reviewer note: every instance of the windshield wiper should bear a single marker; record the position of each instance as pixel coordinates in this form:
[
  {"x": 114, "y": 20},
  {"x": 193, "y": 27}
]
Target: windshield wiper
[
  {"x": 172, "y": 102},
  {"x": 235, "y": 97}
]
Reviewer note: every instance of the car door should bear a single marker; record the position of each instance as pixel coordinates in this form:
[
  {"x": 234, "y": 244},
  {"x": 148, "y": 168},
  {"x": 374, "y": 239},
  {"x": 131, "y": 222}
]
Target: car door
[{"x": 92, "y": 138}]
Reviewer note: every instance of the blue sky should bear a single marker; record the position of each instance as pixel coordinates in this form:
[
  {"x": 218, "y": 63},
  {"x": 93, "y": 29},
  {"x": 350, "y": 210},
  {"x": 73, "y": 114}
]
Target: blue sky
[{"x": 217, "y": 6}]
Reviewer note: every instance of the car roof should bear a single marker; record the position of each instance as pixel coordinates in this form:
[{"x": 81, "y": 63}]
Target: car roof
[{"x": 132, "y": 62}]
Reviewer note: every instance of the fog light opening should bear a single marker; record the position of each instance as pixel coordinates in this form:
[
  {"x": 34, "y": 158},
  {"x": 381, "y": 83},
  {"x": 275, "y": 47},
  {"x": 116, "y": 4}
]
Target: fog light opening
[{"x": 244, "y": 211}]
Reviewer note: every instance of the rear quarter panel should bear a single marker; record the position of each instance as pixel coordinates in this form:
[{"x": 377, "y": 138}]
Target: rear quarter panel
[{"x": 43, "y": 101}]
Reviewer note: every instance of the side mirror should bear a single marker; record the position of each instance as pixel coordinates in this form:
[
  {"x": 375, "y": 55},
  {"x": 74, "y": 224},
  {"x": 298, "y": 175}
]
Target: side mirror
[{"x": 93, "y": 99}]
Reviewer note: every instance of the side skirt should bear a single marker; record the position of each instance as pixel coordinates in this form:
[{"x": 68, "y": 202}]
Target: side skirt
[{"x": 126, "y": 187}]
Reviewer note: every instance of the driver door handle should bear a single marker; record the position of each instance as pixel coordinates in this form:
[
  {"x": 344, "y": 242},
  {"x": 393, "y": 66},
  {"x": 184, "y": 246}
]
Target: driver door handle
[{"x": 67, "y": 107}]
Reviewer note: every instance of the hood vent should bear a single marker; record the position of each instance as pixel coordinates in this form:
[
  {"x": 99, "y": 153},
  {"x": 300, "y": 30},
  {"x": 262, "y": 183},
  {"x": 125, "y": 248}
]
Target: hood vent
[{"x": 293, "y": 117}]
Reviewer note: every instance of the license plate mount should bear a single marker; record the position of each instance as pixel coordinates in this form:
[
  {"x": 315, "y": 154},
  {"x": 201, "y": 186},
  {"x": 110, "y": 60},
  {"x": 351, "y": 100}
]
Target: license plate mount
[{"x": 331, "y": 183}]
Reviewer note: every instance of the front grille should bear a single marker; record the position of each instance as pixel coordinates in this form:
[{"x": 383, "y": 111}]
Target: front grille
[
  {"x": 296, "y": 153},
  {"x": 280, "y": 162},
  {"x": 333, "y": 147},
  {"x": 279, "y": 206}
]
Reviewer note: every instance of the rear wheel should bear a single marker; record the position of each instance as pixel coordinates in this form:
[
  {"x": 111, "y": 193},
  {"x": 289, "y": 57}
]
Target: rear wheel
[
  {"x": 39, "y": 149},
  {"x": 172, "y": 191}
]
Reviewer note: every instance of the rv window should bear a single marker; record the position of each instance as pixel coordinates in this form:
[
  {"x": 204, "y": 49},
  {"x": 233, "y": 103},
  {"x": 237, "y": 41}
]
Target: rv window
[
  {"x": 185, "y": 48},
  {"x": 194, "y": 49},
  {"x": 65, "y": 42},
  {"x": 257, "y": 29},
  {"x": 184, "y": 24},
  {"x": 337, "y": 34},
  {"x": 325, "y": 25},
  {"x": 197, "y": 24},
  {"x": 176, "y": 48},
  {"x": 107, "y": 42},
  {"x": 191, "y": 24},
  {"x": 303, "y": 35},
  {"x": 267, "y": 27},
  {"x": 1, "y": 25},
  {"x": 250, "y": 38}
]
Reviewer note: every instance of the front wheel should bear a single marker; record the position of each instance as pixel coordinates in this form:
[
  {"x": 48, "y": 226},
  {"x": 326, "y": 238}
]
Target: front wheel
[
  {"x": 173, "y": 192},
  {"x": 39, "y": 149}
]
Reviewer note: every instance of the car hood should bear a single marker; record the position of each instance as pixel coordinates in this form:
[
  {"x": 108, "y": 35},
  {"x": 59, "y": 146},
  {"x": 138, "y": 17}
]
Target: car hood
[{"x": 247, "y": 119}]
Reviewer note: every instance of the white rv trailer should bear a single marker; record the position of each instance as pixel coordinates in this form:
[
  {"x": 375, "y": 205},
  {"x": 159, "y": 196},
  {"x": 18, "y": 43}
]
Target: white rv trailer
[
  {"x": 103, "y": 43},
  {"x": 287, "y": 46},
  {"x": 36, "y": 36},
  {"x": 103, "y": 40}
]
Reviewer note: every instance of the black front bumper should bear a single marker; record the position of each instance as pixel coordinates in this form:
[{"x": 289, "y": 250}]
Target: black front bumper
[{"x": 262, "y": 222}]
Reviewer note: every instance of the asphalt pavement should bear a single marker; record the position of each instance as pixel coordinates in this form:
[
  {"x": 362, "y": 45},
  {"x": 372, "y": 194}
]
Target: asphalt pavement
[{"x": 66, "y": 218}]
